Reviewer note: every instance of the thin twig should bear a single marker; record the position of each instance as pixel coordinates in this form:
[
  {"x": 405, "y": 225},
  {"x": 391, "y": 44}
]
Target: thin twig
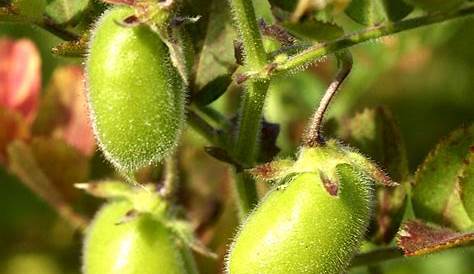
[
  {"x": 313, "y": 135},
  {"x": 203, "y": 128},
  {"x": 170, "y": 183}
]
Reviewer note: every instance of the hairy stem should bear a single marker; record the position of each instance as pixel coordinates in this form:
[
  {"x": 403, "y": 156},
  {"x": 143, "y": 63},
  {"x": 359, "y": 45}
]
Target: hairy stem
[
  {"x": 246, "y": 23},
  {"x": 313, "y": 136},
  {"x": 252, "y": 105},
  {"x": 170, "y": 183},
  {"x": 204, "y": 128},
  {"x": 317, "y": 51}
]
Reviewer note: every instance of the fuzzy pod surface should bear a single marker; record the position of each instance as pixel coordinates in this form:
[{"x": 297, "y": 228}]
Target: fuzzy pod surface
[
  {"x": 143, "y": 245},
  {"x": 136, "y": 96},
  {"x": 302, "y": 227}
]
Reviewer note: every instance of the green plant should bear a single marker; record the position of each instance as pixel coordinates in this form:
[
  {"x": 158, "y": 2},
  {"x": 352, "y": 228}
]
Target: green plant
[{"x": 244, "y": 75}]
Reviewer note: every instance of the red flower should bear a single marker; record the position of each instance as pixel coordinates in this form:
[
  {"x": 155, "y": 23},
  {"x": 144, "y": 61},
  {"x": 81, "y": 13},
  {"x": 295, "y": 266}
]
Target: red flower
[{"x": 20, "y": 77}]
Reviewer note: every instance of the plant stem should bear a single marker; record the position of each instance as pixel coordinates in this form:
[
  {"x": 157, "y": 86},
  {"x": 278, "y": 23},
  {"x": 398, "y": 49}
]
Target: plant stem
[
  {"x": 315, "y": 52},
  {"x": 246, "y": 23},
  {"x": 204, "y": 128},
  {"x": 313, "y": 135},
  {"x": 252, "y": 105},
  {"x": 48, "y": 25},
  {"x": 170, "y": 183}
]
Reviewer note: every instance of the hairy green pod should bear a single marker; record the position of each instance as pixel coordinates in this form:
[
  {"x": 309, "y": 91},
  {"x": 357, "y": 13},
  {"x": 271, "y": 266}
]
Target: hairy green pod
[
  {"x": 142, "y": 245},
  {"x": 312, "y": 223},
  {"x": 136, "y": 96}
]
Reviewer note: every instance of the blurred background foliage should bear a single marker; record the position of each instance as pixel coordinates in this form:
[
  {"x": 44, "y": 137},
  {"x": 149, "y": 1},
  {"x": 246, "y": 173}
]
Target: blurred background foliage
[{"x": 425, "y": 77}]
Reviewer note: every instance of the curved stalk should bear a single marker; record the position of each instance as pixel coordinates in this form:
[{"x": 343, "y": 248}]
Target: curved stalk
[{"x": 313, "y": 136}]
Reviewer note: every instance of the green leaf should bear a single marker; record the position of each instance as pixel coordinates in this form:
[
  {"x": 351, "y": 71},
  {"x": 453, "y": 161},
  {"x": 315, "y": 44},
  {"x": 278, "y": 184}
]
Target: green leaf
[
  {"x": 373, "y": 12},
  {"x": 436, "y": 192},
  {"x": 263, "y": 10},
  {"x": 213, "y": 90},
  {"x": 288, "y": 5},
  {"x": 64, "y": 11},
  {"x": 314, "y": 30},
  {"x": 396, "y": 9},
  {"x": 436, "y": 5},
  {"x": 467, "y": 184},
  {"x": 366, "y": 12},
  {"x": 217, "y": 56},
  {"x": 32, "y": 9}
]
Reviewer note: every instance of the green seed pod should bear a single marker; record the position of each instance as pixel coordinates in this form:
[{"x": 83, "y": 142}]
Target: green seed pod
[
  {"x": 313, "y": 222},
  {"x": 136, "y": 97},
  {"x": 142, "y": 245}
]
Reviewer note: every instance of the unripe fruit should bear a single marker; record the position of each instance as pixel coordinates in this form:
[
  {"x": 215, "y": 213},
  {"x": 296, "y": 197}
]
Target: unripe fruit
[
  {"x": 436, "y": 5},
  {"x": 135, "y": 94},
  {"x": 312, "y": 223},
  {"x": 143, "y": 245}
]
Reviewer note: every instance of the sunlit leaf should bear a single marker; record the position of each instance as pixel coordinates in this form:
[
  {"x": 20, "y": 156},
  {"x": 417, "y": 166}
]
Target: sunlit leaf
[
  {"x": 63, "y": 11},
  {"x": 263, "y": 10},
  {"x": 314, "y": 30},
  {"x": 373, "y": 12},
  {"x": 466, "y": 182},
  {"x": 366, "y": 12},
  {"x": 436, "y": 191}
]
